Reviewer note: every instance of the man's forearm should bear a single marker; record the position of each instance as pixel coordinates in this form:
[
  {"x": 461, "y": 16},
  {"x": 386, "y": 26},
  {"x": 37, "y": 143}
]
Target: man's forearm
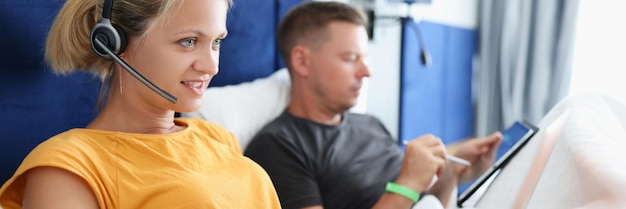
[
  {"x": 444, "y": 188},
  {"x": 392, "y": 200}
]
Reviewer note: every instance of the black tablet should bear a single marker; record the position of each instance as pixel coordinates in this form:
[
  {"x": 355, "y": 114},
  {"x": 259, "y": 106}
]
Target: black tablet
[{"x": 514, "y": 138}]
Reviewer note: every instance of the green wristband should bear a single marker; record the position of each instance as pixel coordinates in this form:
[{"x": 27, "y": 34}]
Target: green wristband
[{"x": 402, "y": 190}]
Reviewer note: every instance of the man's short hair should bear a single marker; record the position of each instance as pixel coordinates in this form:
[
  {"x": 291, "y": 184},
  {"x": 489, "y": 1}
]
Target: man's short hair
[{"x": 307, "y": 24}]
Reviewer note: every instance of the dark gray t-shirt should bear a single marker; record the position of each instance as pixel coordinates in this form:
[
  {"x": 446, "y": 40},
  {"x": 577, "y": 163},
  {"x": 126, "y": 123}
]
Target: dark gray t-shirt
[{"x": 341, "y": 166}]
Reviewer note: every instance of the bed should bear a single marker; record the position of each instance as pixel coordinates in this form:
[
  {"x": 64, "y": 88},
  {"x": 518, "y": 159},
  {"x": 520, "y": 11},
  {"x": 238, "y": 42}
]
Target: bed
[{"x": 583, "y": 166}]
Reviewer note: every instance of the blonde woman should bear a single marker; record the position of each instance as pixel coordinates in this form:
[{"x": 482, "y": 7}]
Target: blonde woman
[{"x": 135, "y": 154}]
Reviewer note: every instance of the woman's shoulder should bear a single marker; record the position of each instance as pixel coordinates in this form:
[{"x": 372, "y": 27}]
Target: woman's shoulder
[
  {"x": 71, "y": 140},
  {"x": 68, "y": 151},
  {"x": 71, "y": 144}
]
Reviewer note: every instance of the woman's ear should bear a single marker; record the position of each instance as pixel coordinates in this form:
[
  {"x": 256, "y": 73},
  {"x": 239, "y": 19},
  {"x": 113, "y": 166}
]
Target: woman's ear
[{"x": 300, "y": 60}]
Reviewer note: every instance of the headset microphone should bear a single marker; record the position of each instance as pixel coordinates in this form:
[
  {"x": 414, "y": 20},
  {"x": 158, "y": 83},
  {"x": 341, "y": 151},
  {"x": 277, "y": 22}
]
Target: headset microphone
[
  {"x": 136, "y": 74},
  {"x": 108, "y": 40}
]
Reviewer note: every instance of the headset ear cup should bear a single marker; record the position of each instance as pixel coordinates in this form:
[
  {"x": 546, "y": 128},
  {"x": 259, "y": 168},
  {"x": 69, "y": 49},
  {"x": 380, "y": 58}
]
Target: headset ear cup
[
  {"x": 122, "y": 39},
  {"x": 99, "y": 32},
  {"x": 110, "y": 35}
]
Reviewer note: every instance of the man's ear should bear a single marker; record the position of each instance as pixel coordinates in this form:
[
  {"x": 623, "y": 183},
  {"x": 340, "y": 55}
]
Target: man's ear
[{"x": 300, "y": 62}]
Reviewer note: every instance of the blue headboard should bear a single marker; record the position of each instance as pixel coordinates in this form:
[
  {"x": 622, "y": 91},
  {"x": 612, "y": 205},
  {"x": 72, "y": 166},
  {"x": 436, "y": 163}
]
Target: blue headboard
[
  {"x": 36, "y": 104},
  {"x": 250, "y": 52}
]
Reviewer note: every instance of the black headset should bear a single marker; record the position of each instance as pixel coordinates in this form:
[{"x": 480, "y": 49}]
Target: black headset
[
  {"x": 108, "y": 41},
  {"x": 108, "y": 33}
]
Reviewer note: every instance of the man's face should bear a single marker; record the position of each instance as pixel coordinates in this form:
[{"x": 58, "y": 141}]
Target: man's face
[{"x": 339, "y": 65}]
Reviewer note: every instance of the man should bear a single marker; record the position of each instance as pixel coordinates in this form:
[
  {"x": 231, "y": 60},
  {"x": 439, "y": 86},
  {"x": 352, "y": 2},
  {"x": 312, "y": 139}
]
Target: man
[{"x": 320, "y": 156}]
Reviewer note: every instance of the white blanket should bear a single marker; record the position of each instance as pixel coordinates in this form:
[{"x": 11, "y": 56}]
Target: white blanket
[{"x": 586, "y": 168}]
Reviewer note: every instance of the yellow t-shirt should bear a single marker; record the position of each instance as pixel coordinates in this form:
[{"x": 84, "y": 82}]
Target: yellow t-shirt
[{"x": 199, "y": 167}]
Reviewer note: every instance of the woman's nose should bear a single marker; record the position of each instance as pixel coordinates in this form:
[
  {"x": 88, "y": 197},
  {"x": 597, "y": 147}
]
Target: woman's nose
[{"x": 207, "y": 62}]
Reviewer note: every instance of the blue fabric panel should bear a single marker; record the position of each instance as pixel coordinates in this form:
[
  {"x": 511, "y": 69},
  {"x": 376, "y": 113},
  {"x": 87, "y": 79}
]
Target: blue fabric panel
[
  {"x": 249, "y": 50},
  {"x": 421, "y": 93},
  {"x": 35, "y": 103},
  {"x": 283, "y": 7},
  {"x": 458, "y": 114},
  {"x": 436, "y": 99}
]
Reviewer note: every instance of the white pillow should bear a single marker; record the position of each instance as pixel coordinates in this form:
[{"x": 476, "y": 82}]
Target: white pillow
[{"x": 245, "y": 108}]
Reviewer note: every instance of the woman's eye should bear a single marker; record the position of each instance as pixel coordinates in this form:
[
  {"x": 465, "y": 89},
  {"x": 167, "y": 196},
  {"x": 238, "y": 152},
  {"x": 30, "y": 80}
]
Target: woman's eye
[
  {"x": 188, "y": 43},
  {"x": 218, "y": 42}
]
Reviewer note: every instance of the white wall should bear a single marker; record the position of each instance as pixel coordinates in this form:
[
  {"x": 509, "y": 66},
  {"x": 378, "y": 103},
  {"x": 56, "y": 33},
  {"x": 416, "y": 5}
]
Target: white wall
[{"x": 382, "y": 98}]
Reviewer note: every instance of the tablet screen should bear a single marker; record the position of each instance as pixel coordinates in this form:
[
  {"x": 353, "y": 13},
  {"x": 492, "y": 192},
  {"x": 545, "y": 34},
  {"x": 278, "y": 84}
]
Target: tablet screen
[{"x": 514, "y": 138}]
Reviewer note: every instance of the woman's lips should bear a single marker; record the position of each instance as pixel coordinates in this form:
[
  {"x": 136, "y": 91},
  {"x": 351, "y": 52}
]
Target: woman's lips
[{"x": 196, "y": 86}]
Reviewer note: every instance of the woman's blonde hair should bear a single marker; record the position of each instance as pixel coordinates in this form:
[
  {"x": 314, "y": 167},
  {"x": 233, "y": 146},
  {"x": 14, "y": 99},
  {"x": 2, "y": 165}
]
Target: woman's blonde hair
[{"x": 68, "y": 45}]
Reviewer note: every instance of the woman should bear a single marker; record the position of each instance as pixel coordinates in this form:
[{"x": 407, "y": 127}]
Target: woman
[{"x": 135, "y": 154}]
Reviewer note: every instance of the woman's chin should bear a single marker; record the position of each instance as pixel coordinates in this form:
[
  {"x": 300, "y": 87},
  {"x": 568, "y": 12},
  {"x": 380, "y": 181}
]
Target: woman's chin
[{"x": 189, "y": 107}]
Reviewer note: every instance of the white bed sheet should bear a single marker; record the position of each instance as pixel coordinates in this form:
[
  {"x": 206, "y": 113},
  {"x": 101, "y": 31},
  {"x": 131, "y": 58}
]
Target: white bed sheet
[{"x": 586, "y": 169}]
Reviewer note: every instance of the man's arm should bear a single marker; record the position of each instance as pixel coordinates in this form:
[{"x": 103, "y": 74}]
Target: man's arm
[
  {"x": 423, "y": 159},
  {"x": 481, "y": 152}
]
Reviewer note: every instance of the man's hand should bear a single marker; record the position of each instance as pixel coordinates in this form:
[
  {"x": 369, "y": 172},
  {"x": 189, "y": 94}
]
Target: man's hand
[
  {"x": 424, "y": 158},
  {"x": 480, "y": 152}
]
